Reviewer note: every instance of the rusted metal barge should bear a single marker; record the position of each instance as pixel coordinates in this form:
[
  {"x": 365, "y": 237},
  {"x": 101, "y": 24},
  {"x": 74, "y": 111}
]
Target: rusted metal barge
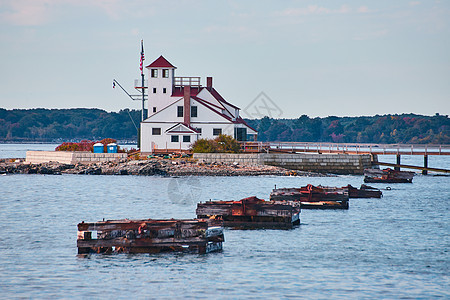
[
  {"x": 149, "y": 236},
  {"x": 251, "y": 212},
  {"x": 388, "y": 176},
  {"x": 318, "y": 197},
  {"x": 364, "y": 191}
]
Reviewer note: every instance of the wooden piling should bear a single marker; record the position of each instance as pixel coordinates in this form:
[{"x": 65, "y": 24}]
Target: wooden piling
[
  {"x": 397, "y": 167},
  {"x": 425, "y": 165}
]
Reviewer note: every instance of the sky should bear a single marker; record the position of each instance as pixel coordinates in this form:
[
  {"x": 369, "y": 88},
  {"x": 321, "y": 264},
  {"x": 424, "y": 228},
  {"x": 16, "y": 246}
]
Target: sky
[{"x": 278, "y": 58}]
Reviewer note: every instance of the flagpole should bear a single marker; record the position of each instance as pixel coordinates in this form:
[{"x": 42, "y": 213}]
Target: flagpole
[{"x": 144, "y": 115}]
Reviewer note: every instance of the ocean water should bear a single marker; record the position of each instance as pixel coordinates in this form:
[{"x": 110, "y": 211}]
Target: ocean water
[{"x": 390, "y": 248}]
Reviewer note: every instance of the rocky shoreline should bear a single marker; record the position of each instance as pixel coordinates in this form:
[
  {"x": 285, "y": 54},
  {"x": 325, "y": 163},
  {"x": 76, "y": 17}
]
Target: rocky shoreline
[{"x": 155, "y": 166}]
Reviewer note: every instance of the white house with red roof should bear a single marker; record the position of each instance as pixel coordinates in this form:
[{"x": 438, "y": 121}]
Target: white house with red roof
[{"x": 181, "y": 111}]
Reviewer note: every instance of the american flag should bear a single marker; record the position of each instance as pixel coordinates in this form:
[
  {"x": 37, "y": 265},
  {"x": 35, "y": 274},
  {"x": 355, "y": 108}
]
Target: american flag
[{"x": 141, "y": 66}]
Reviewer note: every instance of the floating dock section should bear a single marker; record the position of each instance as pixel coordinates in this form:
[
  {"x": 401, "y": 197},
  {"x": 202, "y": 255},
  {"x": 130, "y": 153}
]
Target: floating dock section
[
  {"x": 388, "y": 176},
  {"x": 319, "y": 197},
  {"x": 251, "y": 213},
  {"x": 149, "y": 236},
  {"x": 364, "y": 191}
]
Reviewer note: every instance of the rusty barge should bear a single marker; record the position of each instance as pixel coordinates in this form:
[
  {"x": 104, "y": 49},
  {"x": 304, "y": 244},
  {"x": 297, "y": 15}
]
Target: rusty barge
[
  {"x": 364, "y": 191},
  {"x": 313, "y": 197},
  {"x": 251, "y": 212},
  {"x": 149, "y": 236},
  {"x": 387, "y": 176}
]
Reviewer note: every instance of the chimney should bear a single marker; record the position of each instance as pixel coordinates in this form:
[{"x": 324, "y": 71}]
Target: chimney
[
  {"x": 209, "y": 82},
  {"x": 187, "y": 105}
]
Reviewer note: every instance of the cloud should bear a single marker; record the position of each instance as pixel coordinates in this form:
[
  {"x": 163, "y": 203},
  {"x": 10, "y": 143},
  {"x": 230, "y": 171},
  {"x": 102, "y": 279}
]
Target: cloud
[
  {"x": 414, "y": 3},
  {"x": 363, "y": 9},
  {"x": 320, "y": 10},
  {"x": 26, "y": 12},
  {"x": 40, "y": 12}
]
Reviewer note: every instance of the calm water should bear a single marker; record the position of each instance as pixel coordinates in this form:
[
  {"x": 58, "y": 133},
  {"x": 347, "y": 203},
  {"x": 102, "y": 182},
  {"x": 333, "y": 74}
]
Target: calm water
[{"x": 390, "y": 248}]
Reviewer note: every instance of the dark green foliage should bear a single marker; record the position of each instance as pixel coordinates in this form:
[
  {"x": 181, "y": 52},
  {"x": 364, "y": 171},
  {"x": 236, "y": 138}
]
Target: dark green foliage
[
  {"x": 222, "y": 144},
  {"x": 67, "y": 124},
  {"x": 44, "y": 125},
  {"x": 388, "y": 129},
  {"x": 204, "y": 146}
]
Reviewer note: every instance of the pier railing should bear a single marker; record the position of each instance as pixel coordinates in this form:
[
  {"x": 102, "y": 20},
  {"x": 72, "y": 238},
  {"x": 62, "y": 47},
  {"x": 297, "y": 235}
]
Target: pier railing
[{"x": 347, "y": 148}]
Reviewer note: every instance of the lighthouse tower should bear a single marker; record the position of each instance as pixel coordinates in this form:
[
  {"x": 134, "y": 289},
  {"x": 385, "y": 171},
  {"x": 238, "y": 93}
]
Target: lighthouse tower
[{"x": 160, "y": 84}]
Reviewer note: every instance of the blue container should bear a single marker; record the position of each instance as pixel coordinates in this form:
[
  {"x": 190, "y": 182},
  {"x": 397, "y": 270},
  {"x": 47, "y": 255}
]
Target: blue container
[
  {"x": 98, "y": 148},
  {"x": 112, "y": 148}
]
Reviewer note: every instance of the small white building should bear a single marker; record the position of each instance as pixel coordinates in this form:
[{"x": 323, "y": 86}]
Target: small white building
[{"x": 181, "y": 111}]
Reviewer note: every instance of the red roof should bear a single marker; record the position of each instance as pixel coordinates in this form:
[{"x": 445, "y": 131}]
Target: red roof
[
  {"x": 220, "y": 98},
  {"x": 179, "y": 91},
  {"x": 161, "y": 62}
]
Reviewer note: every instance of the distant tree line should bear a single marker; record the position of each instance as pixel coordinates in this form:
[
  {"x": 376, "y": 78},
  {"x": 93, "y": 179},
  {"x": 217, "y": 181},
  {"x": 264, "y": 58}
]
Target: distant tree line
[
  {"x": 59, "y": 125},
  {"x": 67, "y": 124},
  {"x": 386, "y": 129}
]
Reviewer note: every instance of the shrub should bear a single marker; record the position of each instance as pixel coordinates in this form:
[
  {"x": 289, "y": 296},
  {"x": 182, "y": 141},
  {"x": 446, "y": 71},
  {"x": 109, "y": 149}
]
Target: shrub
[
  {"x": 84, "y": 145},
  {"x": 221, "y": 144}
]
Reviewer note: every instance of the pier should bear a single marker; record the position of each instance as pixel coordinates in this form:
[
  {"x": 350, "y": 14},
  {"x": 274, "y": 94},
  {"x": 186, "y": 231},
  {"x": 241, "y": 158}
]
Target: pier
[{"x": 354, "y": 148}]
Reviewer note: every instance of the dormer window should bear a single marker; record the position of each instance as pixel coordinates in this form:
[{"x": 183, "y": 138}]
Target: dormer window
[
  {"x": 165, "y": 73},
  {"x": 154, "y": 73}
]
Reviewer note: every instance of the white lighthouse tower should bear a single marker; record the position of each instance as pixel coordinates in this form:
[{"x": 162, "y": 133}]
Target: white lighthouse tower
[{"x": 160, "y": 84}]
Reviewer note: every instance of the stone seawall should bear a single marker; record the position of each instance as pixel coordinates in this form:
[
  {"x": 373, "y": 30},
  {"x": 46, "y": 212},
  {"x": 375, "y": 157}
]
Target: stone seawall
[
  {"x": 230, "y": 158},
  {"x": 65, "y": 157},
  {"x": 321, "y": 163}
]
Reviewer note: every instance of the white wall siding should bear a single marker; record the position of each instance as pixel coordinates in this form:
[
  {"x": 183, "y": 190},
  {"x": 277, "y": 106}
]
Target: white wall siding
[{"x": 159, "y": 99}]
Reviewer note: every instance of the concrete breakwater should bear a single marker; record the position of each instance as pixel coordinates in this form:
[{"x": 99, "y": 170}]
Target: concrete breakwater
[
  {"x": 307, "y": 162},
  {"x": 72, "y": 157},
  {"x": 202, "y": 164},
  {"x": 155, "y": 166}
]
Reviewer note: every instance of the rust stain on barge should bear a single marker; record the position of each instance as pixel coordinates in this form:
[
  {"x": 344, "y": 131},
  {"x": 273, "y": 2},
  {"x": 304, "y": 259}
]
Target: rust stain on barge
[
  {"x": 148, "y": 236},
  {"x": 251, "y": 212}
]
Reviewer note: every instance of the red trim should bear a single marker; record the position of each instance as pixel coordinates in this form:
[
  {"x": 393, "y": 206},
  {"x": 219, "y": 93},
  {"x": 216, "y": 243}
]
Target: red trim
[
  {"x": 182, "y": 124},
  {"x": 242, "y": 121},
  {"x": 201, "y": 101},
  {"x": 174, "y": 132},
  {"x": 220, "y": 98},
  {"x": 238, "y": 120},
  {"x": 197, "y": 98}
]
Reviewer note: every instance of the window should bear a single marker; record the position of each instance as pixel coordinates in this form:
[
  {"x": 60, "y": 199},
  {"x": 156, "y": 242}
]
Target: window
[
  {"x": 164, "y": 90},
  {"x": 154, "y": 73},
  {"x": 165, "y": 73},
  {"x": 240, "y": 134},
  {"x": 199, "y": 130},
  {"x": 186, "y": 138},
  {"x": 154, "y": 109},
  {"x": 179, "y": 111},
  {"x": 174, "y": 139},
  {"x": 156, "y": 131},
  {"x": 154, "y": 90},
  {"x": 193, "y": 111},
  {"x": 217, "y": 131}
]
